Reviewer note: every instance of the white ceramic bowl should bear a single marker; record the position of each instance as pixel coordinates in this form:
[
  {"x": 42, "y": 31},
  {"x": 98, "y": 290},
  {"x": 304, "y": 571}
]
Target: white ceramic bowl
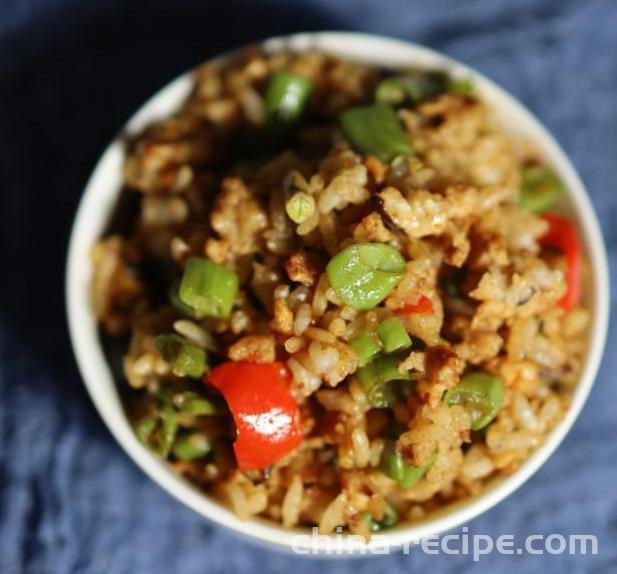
[{"x": 99, "y": 199}]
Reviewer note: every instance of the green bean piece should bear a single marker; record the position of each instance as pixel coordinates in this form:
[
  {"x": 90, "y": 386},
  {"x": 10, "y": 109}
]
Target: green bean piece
[
  {"x": 185, "y": 358},
  {"x": 389, "y": 519},
  {"x": 481, "y": 394},
  {"x": 414, "y": 88},
  {"x": 371, "y": 523},
  {"x": 363, "y": 274},
  {"x": 391, "y": 91},
  {"x": 192, "y": 446},
  {"x": 390, "y": 516},
  {"x": 382, "y": 382},
  {"x": 164, "y": 393},
  {"x": 157, "y": 429},
  {"x": 427, "y": 85},
  {"x": 375, "y": 130},
  {"x": 169, "y": 428},
  {"x": 286, "y": 97},
  {"x": 366, "y": 346},
  {"x": 144, "y": 428},
  {"x": 300, "y": 206},
  {"x": 393, "y": 465},
  {"x": 193, "y": 404},
  {"x": 178, "y": 304},
  {"x": 540, "y": 188},
  {"x": 461, "y": 86},
  {"x": 393, "y": 335},
  {"x": 208, "y": 287}
]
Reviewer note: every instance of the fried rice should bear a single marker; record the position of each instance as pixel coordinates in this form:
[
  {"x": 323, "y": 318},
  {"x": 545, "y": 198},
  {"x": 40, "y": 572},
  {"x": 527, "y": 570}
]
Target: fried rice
[{"x": 479, "y": 292}]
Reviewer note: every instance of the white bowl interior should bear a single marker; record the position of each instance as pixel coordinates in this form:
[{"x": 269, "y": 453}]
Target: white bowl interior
[{"x": 99, "y": 200}]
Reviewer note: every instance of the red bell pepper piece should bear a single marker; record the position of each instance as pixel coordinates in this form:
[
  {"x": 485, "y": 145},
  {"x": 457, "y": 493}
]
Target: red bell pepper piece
[
  {"x": 423, "y": 306},
  {"x": 562, "y": 235},
  {"x": 267, "y": 417}
]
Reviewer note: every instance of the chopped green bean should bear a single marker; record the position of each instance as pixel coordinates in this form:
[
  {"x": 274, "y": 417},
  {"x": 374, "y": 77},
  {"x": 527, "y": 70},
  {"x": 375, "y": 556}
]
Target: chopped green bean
[
  {"x": 481, "y": 394},
  {"x": 390, "y": 516},
  {"x": 363, "y": 274},
  {"x": 371, "y": 523},
  {"x": 540, "y": 188},
  {"x": 366, "y": 346},
  {"x": 192, "y": 446},
  {"x": 393, "y": 335},
  {"x": 164, "y": 393},
  {"x": 208, "y": 287},
  {"x": 391, "y": 91},
  {"x": 382, "y": 382},
  {"x": 286, "y": 97},
  {"x": 178, "y": 304},
  {"x": 461, "y": 85},
  {"x": 157, "y": 429},
  {"x": 375, "y": 130},
  {"x": 300, "y": 206},
  {"x": 168, "y": 430},
  {"x": 393, "y": 465},
  {"x": 185, "y": 358},
  {"x": 389, "y": 519},
  {"x": 144, "y": 428},
  {"x": 193, "y": 404},
  {"x": 415, "y": 88}
]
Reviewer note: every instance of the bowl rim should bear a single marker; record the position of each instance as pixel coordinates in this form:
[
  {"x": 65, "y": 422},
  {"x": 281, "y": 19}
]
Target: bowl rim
[{"x": 99, "y": 198}]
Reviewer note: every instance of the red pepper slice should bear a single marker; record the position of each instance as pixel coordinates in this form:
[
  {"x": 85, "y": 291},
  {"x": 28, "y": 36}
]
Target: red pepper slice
[
  {"x": 562, "y": 235},
  {"x": 267, "y": 417},
  {"x": 423, "y": 306}
]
